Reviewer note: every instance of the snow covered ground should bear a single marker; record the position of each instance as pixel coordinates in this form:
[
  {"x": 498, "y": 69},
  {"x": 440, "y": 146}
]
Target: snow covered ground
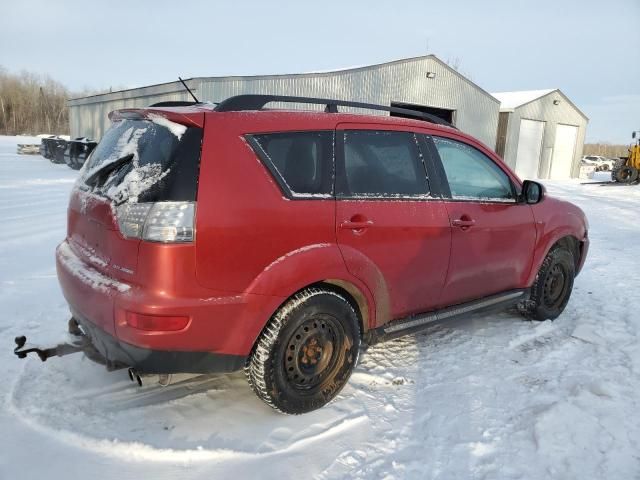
[{"x": 487, "y": 397}]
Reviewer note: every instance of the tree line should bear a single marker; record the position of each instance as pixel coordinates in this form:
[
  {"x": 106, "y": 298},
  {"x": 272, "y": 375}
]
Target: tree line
[
  {"x": 32, "y": 104},
  {"x": 606, "y": 150}
]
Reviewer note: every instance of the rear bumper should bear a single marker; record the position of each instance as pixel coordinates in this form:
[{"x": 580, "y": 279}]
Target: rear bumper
[
  {"x": 221, "y": 331},
  {"x": 146, "y": 360}
]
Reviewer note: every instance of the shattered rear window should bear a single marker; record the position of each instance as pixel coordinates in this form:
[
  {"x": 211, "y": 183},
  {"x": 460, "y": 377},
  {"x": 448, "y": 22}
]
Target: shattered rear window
[{"x": 137, "y": 158}]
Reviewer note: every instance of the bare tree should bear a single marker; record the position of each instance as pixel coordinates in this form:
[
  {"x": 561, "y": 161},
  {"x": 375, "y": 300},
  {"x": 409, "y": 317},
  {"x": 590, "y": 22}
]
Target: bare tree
[
  {"x": 606, "y": 150},
  {"x": 33, "y": 104}
]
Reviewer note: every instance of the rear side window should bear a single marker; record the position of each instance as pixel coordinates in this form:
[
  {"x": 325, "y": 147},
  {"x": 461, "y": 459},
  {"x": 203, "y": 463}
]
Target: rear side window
[
  {"x": 301, "y": 162},
  {"x": 471, "y": 174},
  {"x": 381, "y": 164}
]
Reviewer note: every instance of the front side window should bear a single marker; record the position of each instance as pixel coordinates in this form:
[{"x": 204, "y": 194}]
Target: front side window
[
  {"x": 301, "y": 162},
  {"x": 382, "y": 164},
  {"x": 471, "y": 174}
]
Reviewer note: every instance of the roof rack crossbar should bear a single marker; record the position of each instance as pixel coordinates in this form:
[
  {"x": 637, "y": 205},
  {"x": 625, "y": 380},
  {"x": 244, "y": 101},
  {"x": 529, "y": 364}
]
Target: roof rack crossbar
[{"x": 257, "y": 102}]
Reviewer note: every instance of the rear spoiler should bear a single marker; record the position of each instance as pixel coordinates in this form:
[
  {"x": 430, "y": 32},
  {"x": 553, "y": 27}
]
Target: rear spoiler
[{"x": 190, "y": 117}]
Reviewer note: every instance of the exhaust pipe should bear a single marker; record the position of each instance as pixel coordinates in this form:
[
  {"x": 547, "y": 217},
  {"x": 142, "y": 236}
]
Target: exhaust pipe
[
  {"x": 134, "y": 376},
  {"x": 162, "y": 379}
]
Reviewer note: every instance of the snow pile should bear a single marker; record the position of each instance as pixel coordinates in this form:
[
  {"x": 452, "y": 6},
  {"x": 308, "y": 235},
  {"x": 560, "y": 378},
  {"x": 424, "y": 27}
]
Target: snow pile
[{"x": 487, "y": 397}]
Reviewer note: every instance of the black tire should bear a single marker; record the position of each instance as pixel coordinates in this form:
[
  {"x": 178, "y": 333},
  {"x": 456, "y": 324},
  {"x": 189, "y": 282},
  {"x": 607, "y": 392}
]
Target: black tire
[
  {"x": 306, "y": 353},
  {"x": 552, "y": 287},
  {"x": 626, "y": 174}
]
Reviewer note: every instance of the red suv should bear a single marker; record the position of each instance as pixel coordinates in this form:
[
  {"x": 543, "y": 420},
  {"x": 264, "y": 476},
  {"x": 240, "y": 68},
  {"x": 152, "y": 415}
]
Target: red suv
[{"x": 209, "y": 238}]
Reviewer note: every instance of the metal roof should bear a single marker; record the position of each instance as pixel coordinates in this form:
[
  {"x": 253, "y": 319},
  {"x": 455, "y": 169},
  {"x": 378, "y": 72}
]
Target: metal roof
[
  {"x": 511, "y": 100},
  {"x": 175, "y": 85}
]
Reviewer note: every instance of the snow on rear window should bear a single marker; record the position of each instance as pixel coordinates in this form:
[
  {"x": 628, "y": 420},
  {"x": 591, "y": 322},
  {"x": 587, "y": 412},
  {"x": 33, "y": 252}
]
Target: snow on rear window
[{"x": 133, "y": 156}]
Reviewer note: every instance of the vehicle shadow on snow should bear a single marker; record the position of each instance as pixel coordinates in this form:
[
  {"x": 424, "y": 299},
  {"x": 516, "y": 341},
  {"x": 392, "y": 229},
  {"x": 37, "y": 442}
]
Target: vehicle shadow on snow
[
  {"x": 394, "y": 391},
  {"x": 208, "y": 412}
]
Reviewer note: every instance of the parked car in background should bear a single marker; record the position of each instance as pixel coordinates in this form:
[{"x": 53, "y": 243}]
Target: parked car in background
[
  {"x": 209, "y": 238},
  {"x": 601, "y": 163}
]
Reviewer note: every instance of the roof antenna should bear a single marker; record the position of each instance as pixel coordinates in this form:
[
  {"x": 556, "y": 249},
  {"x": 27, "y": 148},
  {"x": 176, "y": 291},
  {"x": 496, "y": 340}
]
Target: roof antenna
[{"x": 188, "y": 90}]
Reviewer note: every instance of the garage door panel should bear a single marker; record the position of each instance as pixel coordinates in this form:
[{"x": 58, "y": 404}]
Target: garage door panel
[
  {"x": 529, "y": 148},
  {"x": 563, "y": 151}
]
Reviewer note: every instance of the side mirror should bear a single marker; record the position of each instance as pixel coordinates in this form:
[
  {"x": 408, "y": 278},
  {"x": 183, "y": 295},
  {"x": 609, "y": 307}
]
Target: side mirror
[{"x": 532, "y": 192}]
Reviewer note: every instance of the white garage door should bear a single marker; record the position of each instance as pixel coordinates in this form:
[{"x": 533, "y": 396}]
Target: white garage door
[
  {"x": 529, "y": 146},
  {"x": 563, "y": 150}
]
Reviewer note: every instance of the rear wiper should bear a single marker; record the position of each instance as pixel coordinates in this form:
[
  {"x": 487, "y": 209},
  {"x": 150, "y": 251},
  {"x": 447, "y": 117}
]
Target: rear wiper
[{"x": 92, "y": 180}]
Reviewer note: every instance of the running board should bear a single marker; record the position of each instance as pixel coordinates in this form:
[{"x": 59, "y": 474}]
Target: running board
[{"x": 415, "y": 323}]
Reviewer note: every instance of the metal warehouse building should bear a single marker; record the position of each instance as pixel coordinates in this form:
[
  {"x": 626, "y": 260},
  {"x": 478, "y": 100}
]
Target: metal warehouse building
[
  {"x": 540, "y": 133},
  {"x": 425, "y": 83}
]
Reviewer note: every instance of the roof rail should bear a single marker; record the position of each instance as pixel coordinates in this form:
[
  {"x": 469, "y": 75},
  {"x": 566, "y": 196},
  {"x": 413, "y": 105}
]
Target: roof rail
[
  {"x": 174, "y": 103},
  {"x": 257, "y": 102}
]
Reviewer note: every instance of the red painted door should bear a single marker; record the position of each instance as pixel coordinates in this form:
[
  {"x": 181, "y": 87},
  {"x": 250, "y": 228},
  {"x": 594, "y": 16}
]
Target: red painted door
[
  {"x": 492, "y": 235},
  {"x": 492, "y": 254},
  {"x": 393, "y": 235}
]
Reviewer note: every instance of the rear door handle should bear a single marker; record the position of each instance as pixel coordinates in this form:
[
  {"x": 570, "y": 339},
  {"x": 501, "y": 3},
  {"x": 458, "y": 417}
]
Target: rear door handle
[
  {"x": 464, "y": 222},
  {"x": 353, "y": 225}
]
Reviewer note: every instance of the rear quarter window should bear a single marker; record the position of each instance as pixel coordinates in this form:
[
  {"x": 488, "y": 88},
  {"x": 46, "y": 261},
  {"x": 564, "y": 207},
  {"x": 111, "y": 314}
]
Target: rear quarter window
[{"x": 300, "y": 162}]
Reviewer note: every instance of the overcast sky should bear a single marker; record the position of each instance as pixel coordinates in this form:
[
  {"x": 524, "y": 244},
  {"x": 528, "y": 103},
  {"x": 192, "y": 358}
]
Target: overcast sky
[{"x": 590, "y": 49}]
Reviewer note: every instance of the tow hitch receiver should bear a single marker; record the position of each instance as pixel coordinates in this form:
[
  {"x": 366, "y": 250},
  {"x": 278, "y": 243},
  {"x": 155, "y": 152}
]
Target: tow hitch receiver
[
  {"x": 79, "y": 343},
  {"x": 57, "y": 351}
]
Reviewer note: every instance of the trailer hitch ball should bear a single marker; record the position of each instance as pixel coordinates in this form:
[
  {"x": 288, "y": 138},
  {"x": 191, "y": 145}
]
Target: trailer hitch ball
[{"x": 20, "y": 342}]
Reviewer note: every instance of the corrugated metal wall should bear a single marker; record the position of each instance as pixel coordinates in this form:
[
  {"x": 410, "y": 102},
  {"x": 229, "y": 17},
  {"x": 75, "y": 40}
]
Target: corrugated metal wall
[
  {"x": 88, "y": 117},
  {"x": 400, "y": 81},
  {"x": 544, "y": 110}
]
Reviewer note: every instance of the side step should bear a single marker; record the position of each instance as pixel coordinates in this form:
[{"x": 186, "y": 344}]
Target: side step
[{"x": 415, "y": 323}]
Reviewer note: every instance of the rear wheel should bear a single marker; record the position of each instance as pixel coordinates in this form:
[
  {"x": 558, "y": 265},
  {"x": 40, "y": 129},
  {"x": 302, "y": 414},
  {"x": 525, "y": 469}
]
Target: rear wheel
[
  {"x": 552, "y": 287},
  {"x": 306, "y": 353}
]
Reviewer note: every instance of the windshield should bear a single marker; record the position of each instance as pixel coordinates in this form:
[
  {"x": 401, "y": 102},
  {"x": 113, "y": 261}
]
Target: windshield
[{"x": 143, "y": 158}]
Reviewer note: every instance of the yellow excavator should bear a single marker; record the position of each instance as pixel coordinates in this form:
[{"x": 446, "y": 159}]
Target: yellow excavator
[{"x": 627, "y": 170}]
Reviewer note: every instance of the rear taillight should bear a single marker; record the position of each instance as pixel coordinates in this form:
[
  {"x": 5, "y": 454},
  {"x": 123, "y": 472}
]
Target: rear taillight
[{"x": 166, "y": 222}]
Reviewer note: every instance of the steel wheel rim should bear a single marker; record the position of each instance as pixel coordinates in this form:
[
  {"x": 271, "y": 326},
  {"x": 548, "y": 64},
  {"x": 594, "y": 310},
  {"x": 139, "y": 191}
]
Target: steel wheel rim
[
  {"x": 555, "y": 286},
  {"x": 313, "y": 352}
]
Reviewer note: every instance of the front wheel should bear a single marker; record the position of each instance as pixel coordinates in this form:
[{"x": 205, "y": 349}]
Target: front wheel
[
  {"x": 626, "y": 174},
  {"x": 306, "y": 353},
  {"x": 552, "y": 287}
]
